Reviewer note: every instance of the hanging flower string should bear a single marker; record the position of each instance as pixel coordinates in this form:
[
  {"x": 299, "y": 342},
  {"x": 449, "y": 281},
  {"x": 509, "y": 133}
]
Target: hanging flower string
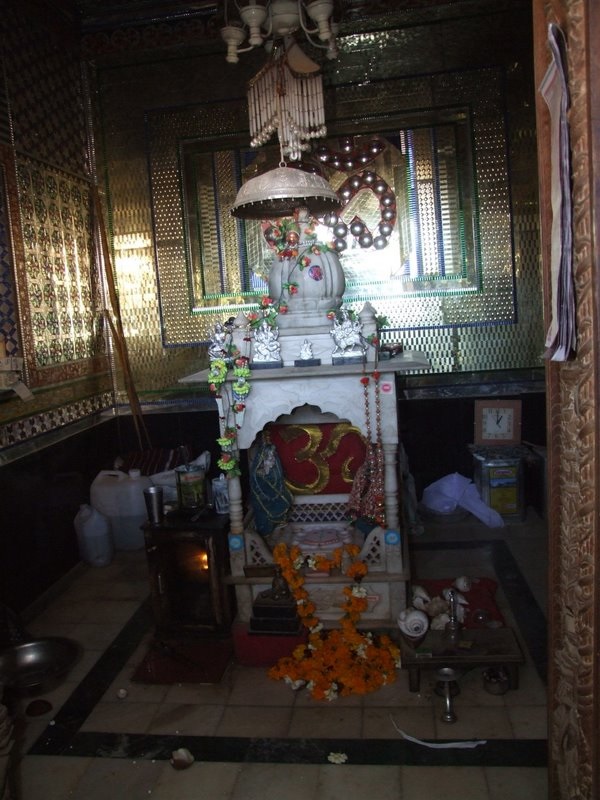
[
  {"x": 217, "y": 374},
  {"x": 229, "y": 460},
  {"x": 340, "y": 661},
  {"x": 367, "y": 497}
]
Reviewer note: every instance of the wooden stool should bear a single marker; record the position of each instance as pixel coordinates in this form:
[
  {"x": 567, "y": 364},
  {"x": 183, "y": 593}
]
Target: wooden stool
[{"x": 476, "y": 647}]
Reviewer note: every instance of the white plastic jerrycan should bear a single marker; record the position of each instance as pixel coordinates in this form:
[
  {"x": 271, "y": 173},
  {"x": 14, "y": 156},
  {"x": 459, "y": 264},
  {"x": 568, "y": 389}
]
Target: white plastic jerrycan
[
  {"x": 93, "y": 537},
  {"x": 120, "y": 497}
]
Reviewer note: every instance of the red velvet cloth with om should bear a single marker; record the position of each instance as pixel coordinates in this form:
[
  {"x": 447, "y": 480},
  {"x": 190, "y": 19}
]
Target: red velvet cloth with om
[{"x": 319, "y": 459}]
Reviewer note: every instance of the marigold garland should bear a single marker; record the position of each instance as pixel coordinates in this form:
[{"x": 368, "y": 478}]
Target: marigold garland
[{"x": 337, "y": 662}]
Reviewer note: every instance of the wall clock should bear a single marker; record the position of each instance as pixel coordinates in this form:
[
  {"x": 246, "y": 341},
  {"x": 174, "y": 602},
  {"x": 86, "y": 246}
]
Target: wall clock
[{"x": 497, "y": 421}]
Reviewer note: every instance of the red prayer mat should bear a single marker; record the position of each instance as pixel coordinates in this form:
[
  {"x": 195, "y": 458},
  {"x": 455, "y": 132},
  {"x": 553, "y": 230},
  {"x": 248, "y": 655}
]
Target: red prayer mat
[{"x": 184, "y": 661}]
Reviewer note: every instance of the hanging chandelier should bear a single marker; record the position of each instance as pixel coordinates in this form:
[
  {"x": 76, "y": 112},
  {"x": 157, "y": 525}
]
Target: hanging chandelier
[
  {"x": 263, "y": 22},
  {"x": 285, "y": 98},
  {"x": 287, "y": 102}
]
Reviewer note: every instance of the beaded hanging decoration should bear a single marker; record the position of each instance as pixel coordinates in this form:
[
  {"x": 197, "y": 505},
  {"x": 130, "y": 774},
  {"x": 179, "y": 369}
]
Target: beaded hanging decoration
[{"x": 367, "y": 495}]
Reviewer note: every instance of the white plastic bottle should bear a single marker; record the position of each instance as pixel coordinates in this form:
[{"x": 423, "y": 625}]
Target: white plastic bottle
[{"x": 93, "y": 537}]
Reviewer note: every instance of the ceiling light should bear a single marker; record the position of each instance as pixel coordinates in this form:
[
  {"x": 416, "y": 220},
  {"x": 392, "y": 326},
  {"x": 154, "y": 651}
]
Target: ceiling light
[{"x": 264, "y": 21}]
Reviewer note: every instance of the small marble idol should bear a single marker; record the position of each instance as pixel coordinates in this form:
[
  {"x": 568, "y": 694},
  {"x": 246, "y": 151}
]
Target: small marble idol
[
  {"x": 266, "y": 343},
  {"x": 220, "y": 342},
  {"x": 306, "y": 351},
  {"x": 347, "y": 336}
]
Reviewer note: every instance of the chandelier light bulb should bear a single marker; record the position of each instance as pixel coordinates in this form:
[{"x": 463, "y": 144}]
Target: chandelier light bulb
[
  {"x": 264, "y": 21},
  {"x": 320, "y": 11},
  {"x": 233, "y": 36},
  {"x": 284, "y": 17},
  {"x": 254, "y": 15},
  {"x": 332, "y": 50}
]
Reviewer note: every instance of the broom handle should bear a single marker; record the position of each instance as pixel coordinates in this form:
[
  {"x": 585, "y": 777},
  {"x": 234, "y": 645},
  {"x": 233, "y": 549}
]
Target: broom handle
[{"x": 116, "y": 327}]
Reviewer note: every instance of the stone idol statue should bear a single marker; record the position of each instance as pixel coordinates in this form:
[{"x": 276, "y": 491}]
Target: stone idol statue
[
  {"x": 306, "y": 357},
  {"x": 279, "y": 592},
  {"x": 267, "y": 348},
  {"x": 275, "y": 609},
  {"x": 347, "y": 336},
  {"x": 220, "y": 341},
  {"x": 306, "y": 351}
]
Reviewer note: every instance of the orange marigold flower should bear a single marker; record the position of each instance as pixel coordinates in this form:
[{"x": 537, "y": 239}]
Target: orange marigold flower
[
  {"x": 340, "y": 661},
  {"x": 357, "y": 570}
]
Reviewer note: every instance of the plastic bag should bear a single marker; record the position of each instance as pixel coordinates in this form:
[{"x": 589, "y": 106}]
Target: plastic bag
[{"x": 444, "y": 495}]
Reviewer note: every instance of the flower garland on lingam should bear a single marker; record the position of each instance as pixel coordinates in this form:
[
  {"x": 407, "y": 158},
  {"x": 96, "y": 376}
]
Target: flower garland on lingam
[
  {"x": 268, "y": 310},
  {"x": 339, "y": 661},
  {"x": 296, "y": 245}
]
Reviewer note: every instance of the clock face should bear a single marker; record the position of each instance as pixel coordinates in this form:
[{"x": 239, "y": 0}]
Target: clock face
[{"x": 497, "y": 421}]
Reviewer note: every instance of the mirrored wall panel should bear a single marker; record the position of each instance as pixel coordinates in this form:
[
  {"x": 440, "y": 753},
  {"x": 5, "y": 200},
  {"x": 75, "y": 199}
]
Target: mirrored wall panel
[{"x": 424, "y": 232}]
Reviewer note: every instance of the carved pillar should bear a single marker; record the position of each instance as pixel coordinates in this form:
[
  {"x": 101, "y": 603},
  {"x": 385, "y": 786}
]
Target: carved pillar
[
  {"x": 236, "y": 511},
  {"x": 390, "y": 460},
  {"x": 573, "y": 422}
]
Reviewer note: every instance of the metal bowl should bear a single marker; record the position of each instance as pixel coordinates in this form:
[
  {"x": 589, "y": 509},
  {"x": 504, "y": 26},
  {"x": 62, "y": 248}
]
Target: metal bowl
[{"x": 38, "y": 664}]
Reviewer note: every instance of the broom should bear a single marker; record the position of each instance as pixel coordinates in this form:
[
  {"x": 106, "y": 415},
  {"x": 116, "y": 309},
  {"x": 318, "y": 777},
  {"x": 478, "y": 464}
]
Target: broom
[{"x": 116, "y": 328}]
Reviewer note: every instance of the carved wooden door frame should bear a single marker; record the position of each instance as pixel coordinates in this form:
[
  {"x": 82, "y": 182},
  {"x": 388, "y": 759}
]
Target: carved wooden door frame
[{"x": 573, "y": 394}]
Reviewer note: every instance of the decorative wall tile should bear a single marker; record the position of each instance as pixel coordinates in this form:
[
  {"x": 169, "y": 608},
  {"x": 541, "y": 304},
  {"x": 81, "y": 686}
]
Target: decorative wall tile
[{"x": 8, "y": 311}]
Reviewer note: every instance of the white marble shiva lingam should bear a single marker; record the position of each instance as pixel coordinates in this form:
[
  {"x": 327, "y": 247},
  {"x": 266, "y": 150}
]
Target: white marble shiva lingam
[{"x": 314, "y": 326}]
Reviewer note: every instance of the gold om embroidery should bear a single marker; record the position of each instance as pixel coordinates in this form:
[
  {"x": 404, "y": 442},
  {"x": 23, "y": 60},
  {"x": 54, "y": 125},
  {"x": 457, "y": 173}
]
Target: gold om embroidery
[{"x": 318, "y": 457}]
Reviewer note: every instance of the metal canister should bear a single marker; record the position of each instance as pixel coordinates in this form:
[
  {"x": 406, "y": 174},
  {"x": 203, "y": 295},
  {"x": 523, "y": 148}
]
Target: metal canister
[{"x": 498, "y": 475}]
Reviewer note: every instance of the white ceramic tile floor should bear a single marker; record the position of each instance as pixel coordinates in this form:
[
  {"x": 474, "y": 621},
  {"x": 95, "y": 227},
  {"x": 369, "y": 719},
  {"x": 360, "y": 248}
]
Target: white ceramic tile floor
[{"x": 247, "y": 703}]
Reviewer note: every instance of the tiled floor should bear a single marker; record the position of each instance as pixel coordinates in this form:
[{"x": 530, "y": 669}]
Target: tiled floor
[{"x": 255, "y": 738}]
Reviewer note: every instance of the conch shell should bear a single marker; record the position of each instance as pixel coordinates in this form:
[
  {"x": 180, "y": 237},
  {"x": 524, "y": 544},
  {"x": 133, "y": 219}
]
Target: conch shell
[
  {"x": 420, "y": 591},
  {"x": 420, "y": 598},
  {"x": 439, "y": 623},
  {"x": 437, "y": 605},
  {"x": 413, "y": 622},
  {"x": 463, "y": 583}
]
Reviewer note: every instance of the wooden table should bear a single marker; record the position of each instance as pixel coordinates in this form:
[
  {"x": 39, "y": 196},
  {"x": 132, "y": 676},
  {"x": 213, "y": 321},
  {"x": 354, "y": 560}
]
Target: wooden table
[{"x": 477, "y": 647}]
